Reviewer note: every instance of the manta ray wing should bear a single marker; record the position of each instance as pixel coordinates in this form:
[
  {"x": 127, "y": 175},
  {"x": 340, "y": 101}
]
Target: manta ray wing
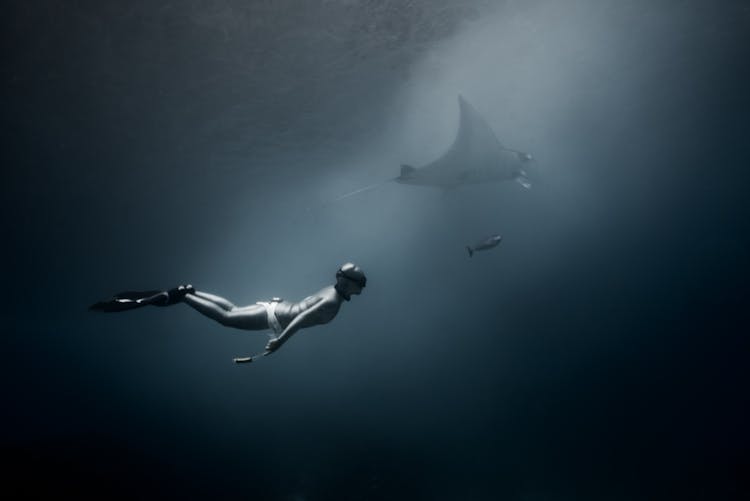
[
  {"x": 476, "y": 156},
  {"x": 474, "y": 136}
]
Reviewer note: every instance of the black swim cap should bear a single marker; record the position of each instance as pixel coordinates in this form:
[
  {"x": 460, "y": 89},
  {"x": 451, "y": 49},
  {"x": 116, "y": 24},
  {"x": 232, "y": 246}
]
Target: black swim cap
[{"x": 353, "y": 273}]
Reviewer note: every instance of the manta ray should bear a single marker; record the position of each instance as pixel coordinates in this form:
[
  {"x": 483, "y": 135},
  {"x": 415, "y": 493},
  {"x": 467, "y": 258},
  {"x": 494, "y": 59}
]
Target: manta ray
[{"x": 475, "y": 157}]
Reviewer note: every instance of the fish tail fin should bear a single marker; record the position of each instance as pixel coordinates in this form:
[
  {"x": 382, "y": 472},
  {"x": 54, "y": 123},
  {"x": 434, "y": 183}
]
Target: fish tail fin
[{"x": 470, "y": 251}]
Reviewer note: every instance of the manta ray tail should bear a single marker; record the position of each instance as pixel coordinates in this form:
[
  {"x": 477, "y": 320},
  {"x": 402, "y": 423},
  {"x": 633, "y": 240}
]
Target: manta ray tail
[
  {"x": 358, "y": 191},
  {"x": 355, "y": 192}
]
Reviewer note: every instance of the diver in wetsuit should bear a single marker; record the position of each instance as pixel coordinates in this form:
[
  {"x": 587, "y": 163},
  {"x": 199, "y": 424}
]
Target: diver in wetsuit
[{"x": 283, "y": 317}]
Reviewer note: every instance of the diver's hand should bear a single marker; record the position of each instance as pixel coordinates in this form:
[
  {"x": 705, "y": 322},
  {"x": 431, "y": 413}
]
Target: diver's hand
[{"x": 272, "y": 346}]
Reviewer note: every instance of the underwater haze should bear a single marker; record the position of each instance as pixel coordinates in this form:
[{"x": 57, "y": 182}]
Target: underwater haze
[{"x": 599, "y": 352}]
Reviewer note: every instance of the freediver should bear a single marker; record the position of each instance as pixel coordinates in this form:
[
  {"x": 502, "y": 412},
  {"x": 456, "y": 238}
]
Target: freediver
[{"x": 284, "y": 318}]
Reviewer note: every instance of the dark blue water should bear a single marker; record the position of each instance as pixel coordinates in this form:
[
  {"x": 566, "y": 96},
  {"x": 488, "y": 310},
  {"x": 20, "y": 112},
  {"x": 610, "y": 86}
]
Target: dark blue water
[{"x": 600, "y": 352}]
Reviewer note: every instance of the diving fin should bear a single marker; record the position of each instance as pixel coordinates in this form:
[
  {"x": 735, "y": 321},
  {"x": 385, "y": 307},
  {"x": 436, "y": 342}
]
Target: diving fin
[{"x": 129, "y": 300}]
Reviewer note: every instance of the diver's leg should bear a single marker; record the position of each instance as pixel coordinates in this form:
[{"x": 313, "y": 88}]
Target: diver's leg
[
  {"x": 251, "y": 317},
  {"x": 217, "y": 300},
  {"x": 166, "y": 298}
]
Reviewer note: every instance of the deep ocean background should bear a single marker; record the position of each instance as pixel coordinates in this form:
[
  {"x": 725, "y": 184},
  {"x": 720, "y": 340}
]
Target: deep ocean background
[{"x": 599, "y": 353}]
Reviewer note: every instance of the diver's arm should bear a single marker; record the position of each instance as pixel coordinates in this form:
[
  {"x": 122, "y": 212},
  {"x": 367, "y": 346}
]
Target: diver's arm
[{"x": 291, "y": 329}]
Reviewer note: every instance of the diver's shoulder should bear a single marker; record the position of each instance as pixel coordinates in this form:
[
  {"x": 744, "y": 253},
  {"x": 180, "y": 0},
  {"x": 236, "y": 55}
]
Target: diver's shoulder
[
  {"x": 326, "y": 294},
  {"x": 330, "y": 294},
  {"x": 328, "y": 297}
]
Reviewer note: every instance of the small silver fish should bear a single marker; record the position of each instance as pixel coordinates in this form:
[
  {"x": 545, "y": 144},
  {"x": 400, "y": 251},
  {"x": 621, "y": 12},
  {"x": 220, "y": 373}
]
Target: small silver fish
[{"x": 487, "y": 243}]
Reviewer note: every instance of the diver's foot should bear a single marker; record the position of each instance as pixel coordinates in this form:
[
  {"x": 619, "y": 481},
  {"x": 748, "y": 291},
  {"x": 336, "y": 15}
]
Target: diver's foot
[
  {"x": 167, "y": 298},
  {"x": 242, "y": 360},
  {"x": 177, "y": 294}
]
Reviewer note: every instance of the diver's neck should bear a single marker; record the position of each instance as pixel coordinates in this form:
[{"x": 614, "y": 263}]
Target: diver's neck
[{"x": 342, "y": 293}]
